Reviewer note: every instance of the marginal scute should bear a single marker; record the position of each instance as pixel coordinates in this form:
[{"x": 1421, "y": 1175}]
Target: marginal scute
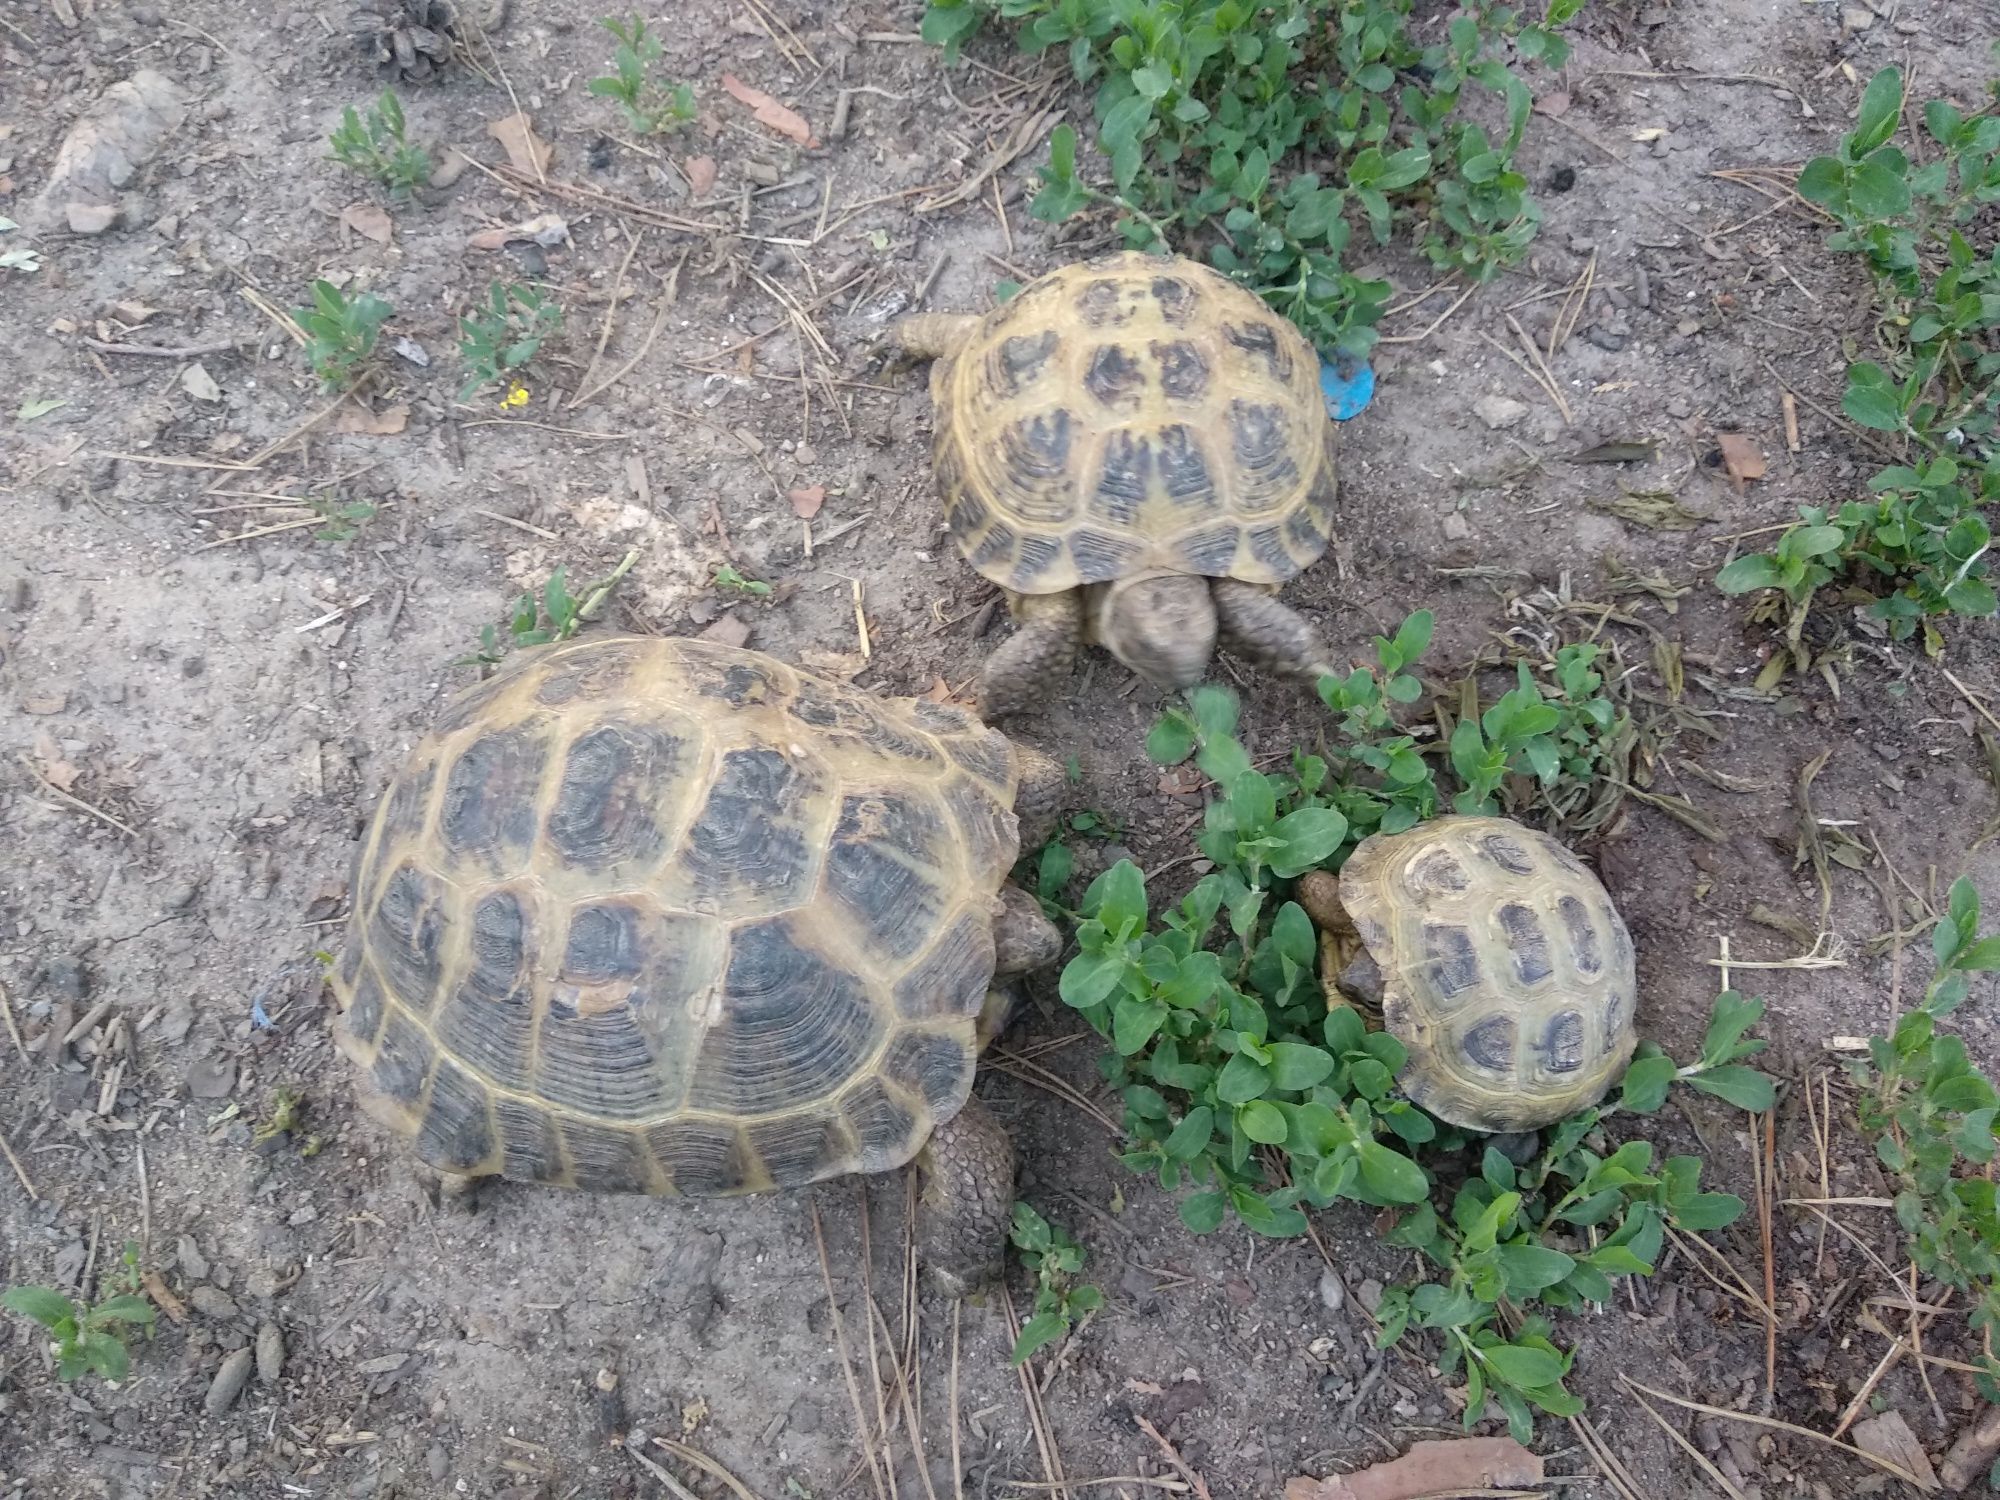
[
  {"x": 489, "y": 1020},
  {"x": 458, "y": 1125},
  {"x": 935, "y": 1068},
  {"x": 610, "y": 1159},
  {"x": 407, "y": 934},
  {"x": 800, "y": 1148},
  {"x": 882, "y": 1127},
  {"x": 702, "y": 1158}
]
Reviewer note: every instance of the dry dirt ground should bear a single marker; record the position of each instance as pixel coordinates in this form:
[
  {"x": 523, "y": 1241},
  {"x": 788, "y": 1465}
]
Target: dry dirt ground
[{"x": 196, "y": 719}]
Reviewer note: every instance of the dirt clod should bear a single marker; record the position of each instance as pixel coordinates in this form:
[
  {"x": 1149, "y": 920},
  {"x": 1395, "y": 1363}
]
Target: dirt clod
[{"x": 229, "y": 1382}]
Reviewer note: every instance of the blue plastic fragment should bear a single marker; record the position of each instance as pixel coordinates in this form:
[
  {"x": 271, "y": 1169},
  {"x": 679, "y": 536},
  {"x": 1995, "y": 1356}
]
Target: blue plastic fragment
[{"x": 1348, "y": 385}]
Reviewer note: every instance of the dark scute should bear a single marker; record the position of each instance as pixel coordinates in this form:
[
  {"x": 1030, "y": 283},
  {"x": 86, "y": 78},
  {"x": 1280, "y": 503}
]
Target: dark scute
[
  {"x": 489, "y": 1020},
  {"x": 353, "y": 948},
  {"x": 406, "y": 936},
  {"x": 1114, "y": 378},
  {"x": 1613, "y": 1013},
  {"x": 489, "y": 797},
  {"x": 612, "y": 780},
  {"x": 996, "y": 547},
  {"x": 1436, "y": 872},
  {"x": 1257, "y": 437},
  {"x": 599, "y": 1061},
  {"x": 1508, "y": 853},
  {"x": 1267, "y": 546},
  {"x": 730, "y": 677},
  {"x": 842, "y": 713},
  {"x": 702, "y": 1158},
  {"x": 1019, "y": 361},
  {"x": 883, "y": 869},
  {"x": 1451, "y": 961},
  {"x": 1175, "y": 300},
  {"x": 992, "y": 838},
  {"x": 941, "y": 718},
  {"x": 458, "y": 1132},
  {"x": 934, "y": 1067},
  {"x": 1038, "y": 554},
  {"x": 1124, "y": 478},
  {"x": 1034, "y": 456},
  {"x": 600, "y": 671},
  {"x": 1101, "y": 304},
  {"x": 363, "y": 1016},
  {"x": 532, "y": 1152},
  {"x": 747, "y": 837},
  {"x": 1306, "y": 530},
  {"x": 798, "y": 1149},
  {"x": 1528, "y": 941},
  {"x": 952, "y": 978},
  {"x": 606, "y": 1159},
  {"x": 1585, "y": 951},
  {"x": 1211, "y": 553},
  {"x": 1260, "y": 342},
  {"x": 603, "y": 946},
  {"x": 409, "y": 801},
  {"x": 880, "y": 1124},
  {"x": 1490, "y": 1044},
  {"x": 985, "y": 753},
  {"x": 1099, "y": 556},
  {"x": 1183, "y": 370},
  {"x": 1562, "y": 1042},
  {"x": 793, "y": 1027},
  {"x": 403, "y": 1062},
  {"x": 1184, "y": 468}
]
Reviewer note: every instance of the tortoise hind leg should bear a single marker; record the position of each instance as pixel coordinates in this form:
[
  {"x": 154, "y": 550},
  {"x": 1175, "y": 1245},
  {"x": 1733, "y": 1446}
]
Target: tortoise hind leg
[
  {"x": 968, "y": 1200},
  {"x": 1030, "y": 666},
  {"x": 1268, "y": 634}
]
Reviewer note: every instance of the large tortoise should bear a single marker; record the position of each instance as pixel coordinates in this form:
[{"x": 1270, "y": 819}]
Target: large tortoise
[
  {"x": 1138, "y": 452},
  {"x": 663, "y": 916},
  {"x": 1495, "y": 956}
]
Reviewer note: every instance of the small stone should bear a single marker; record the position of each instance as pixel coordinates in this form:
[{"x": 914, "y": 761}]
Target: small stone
[
  {"x": 1369, "y": 1294},
  {"x": 438, "y": 1462},
  {"x": 91, "y": 218},
  {"x": 270, "y": 1353},
  {"x": 1855, "y": 19},
  {"x": 198, "y": 383},
  {"x": 167, "y": 226},
  {"x": 450, "y": 169},
  {"x": 1681, "y": 407},
  {"x": 1456, "y": 527},
  {"x": 1687, "y": 328},
  {"x": 1332, "y": 1294},
  {"x": 188, "y": 1256},
  {"x": 213, "y": 1302},
  {"x": 414, "y": 352},
  {"x": 1499, "y": 411},
  {"x": 212, "y": 1077},
  {"x": 65, "y": 977},
  {"x": 1604, "y": 338},
  {"x": 215, "y": 109},
  {"x": 176, "y": 1023},
  {"x": 229, "y": 1382}
]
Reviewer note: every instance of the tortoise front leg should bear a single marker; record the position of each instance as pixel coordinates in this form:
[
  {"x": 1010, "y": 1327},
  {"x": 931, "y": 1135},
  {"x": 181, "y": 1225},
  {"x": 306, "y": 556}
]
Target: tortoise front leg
[
  {"x": 967, "y": 1202},
  {"x": 1030, "y": 667},
  {"x": 1267, "y": 634},
  {"x": 934, "y": 335}
]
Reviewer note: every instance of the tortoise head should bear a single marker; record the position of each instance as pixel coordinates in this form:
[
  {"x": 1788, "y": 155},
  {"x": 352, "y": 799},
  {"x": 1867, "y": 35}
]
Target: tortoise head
[{"x": 1161, "y": 625}]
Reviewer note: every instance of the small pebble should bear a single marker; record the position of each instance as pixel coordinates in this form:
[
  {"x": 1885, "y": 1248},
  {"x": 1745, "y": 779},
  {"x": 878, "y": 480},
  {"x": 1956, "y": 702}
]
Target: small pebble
[
  {"x": 1604, "y": 338},
  {"x": 188, "y": 1256},
  {"x": 1332, "y": 1294},
  {"x": 270, "y": 1353},
  {"x": 212, "y": 1077},
  {"x": 1456, "y": 527},
  {"x": 229, "y": 1382},
  {"x": 213, "y": 1302},
  {"x": 438, "y": 1462},
  {"x": 1499, "y": 411}
]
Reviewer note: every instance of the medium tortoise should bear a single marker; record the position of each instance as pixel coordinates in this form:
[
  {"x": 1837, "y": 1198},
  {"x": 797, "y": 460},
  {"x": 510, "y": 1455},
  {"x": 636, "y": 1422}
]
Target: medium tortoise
[
  {"x": 1137, "y": 451},
  {"x": 662, "y": 916},
  {"x": 1495, "y": 957}
]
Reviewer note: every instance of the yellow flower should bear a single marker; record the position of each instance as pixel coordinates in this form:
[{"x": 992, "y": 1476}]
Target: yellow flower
[{"x": 516, "y": 396}]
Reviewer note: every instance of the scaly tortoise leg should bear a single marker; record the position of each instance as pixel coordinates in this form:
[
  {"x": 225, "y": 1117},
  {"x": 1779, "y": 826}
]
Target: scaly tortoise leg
[
  {"x": 967, "y": 1201},
  {"x": 1268, "y": 634},
  {"x": 1031, "y": 665}
]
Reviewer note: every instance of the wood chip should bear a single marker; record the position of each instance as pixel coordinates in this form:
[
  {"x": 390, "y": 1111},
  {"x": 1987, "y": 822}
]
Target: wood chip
[
  {"x": 1889, "y": 1437},
  {"x": 45, "y": 703},
  {"x": 387, "y": 422},
  {"x": 1741, "y": 457},
  {"x": 701, "y": 175},
  {"x": 769, "y": 112},
  {"x": 166, "y": 1301},
  {"x": 806, "y": 502},
  {"x": 526, "y": 151},
  {"x": 727, "y": 630},
  {"x": 368, "y": 221},
  {"x": 1432, "y": 1468}
]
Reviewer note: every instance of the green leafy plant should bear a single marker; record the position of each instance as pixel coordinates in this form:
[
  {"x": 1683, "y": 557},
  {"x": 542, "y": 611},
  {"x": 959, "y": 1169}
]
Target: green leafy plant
[
  {"x": 1273, "y": 135},
  {"x": 1931, "y": 1114},
  {"x": 555, "y": 616},
  {"x": 1054, "y": 1259},
  {"x": 88, "y": 1338},
  {"x": 341, "y": 518},
  {"x": 375, "y": 146},
  {"x": 729, "y": 580},
  {"x": 504, "y": 335},
  {"x": 1559, "y": 736},
  {"x": 340, "y": 332},
  {"x": 649, "y": 107},
  {"x": 1918, "y": 547}
]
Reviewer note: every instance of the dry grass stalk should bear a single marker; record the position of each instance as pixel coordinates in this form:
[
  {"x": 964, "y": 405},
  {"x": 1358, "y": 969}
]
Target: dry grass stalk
[
  {"x": 861, "y": 1435},
  {"x": 1893, "y": 1469},
  {"x": 1038, "y": 1420}
]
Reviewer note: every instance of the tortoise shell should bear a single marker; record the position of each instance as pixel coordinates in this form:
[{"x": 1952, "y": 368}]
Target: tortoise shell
[
  {"x": 662, "y": 916},
  {"x": 1134, "y": 414},
  {"x": 1506, "y": 971}
]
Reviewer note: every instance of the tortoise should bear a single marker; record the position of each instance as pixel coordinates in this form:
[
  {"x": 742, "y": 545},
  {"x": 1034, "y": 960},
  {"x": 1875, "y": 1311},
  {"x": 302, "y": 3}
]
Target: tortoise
[
  {"x": 1495, "y": 956},
  {"x": 1137, "y": 450},
  {"x": 665, "y": 916}
]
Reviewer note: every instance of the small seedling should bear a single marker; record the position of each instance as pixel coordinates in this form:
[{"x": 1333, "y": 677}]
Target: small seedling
[
  {"x": 340, "y": 332},
  {"x": 22, "y": 258},
  {"x": 730, "y": 581},
  {"x": 504, "y": 334},
  {"x": 342, "y": 518},
  {"x": 555, "y": 616},
  {"x": 287, "y": 1117},
  {"x": 649, "y": 107},
  {"x": 87, "y": 1338},
  {"x": 375, "y": 146},
  {"x": 1054, "y": 1259}
]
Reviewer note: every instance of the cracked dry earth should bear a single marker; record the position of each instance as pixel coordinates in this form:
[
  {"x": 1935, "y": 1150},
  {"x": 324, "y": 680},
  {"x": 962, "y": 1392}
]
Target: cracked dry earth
[{"x": 196, "y": 720}]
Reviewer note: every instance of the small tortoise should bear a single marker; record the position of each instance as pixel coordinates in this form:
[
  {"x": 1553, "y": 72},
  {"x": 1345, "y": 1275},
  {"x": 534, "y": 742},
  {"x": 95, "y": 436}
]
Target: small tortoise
[
  {"x": 1494, "y": 956},
  {"x": 662, "y": 916},
  {"x": 1137, "y": 451}
]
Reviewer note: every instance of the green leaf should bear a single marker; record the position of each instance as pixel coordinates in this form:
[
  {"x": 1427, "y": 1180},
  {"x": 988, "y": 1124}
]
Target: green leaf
[
  {"x": 106, "y": 1355},
  {"x": 1881, "y": 107},
  {"x": 38, "y": 1302},
  {"x": 1152, "y": 81},
  {"x": 1871, "y": 400},
  {"x": 1170, "y": 741},
  {"x": 1878, "y": 191},
  {"x": 1728, "y": 1020},
  {"x": 1038, "y": 1331},
  {"x": 1242, "y": 1079},
  {"x": 1133, "y": 1022},
  {"x": 1089, "y": 978},
  {"x": 1646, "y": 1084},
  {"x": 1390, "y": 1175},
  {"x": 1343, "y": 1029},
  {"x": 1202, "y": 1212},
  {"x": 1297, "y": 1067},
  {"x": 1529, "y": 1269},
  {"x": 124, "y": 1309},
  {"x": 1307, "y": 838},
  {"x": 1522, "y": 1368},
  {"x": 1824, "y": 181},
  {"x": 1743, "y": 1087},
  {"x": 1263, "y": 1122},
  {"x": 1708, "y": 1211},
  {"x": 1191, "y": 1137},
  {"x": 1117, "y": 898}
]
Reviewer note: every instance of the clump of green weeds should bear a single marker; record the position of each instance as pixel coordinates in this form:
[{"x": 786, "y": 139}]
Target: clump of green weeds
[
  {"x": 649, "y": 107},
  {"x": 504, "y": 334},
  {"x": 1054, "y": 1259},
  {"x": 88, "y": 1338},
  {"x": 375, "y": 146},
  {"x": 1919, "y": 544},
  {"x": 1276, "y": 134},
  {"x": 1932, "y": 1116},
  {"x": 729, "y": 581},
  {"x": 340, "y": 332},
  {"x": 340, "y": 519},
  {"x": 555, "y": 616}
]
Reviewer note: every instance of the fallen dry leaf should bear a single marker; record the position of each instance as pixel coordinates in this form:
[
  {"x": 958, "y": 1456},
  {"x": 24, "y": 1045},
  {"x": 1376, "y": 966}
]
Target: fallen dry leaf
[
  {"x": 198, "y": 383},
  {"x": 842, "y": 666},
  {"x": 166, "y": 1301},
  {"x": 1429, "y": 1469},
  {"x": 1178, "y": 781},
  {"x": 56, "y": 771},
  {"x": 547, "y": 230},
  {"x": 527, "y": 151},
  {"x": 1741, "y": 457},
  {"x": 727, "y": 630},
  {"x": 787, "y": 122},
  {"x": 806, "y": 502},
  {"x": 701, "y": 174},
  {"x": 1889, "y": 1437},
  {"x": 1136, "y": 1387},
  {"x": 368, "y": 221},
  {"x": 387, "y": 422},
  {"x": 1555, "y": 106},
  {"x": 134, "y": 313}
]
